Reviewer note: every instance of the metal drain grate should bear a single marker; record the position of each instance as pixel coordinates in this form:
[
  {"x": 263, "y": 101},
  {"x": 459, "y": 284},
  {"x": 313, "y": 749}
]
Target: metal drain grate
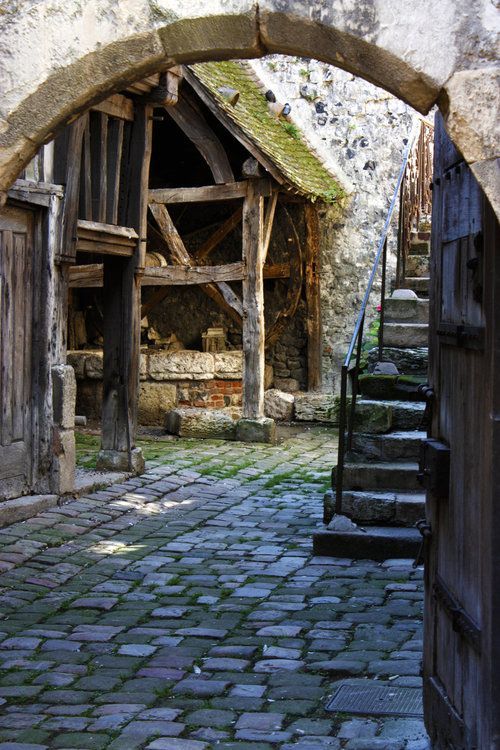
[{"x": 377, "y": 700}]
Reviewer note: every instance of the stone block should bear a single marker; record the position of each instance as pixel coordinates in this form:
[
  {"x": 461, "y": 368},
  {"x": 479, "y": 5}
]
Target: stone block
[
  {"x": 201, "y": 423},
  {"x": 77, "y": 361},
  {"x": 154, "y": 400},
  {"x": 143, "y": 366},
  {"x": 228, "y": 365},
  {"x": 111, "y": 460},
  {"x": 372, "y": 416},
  {"x": 262, "y": 430},
  {"x": 317, "y": 407},
  {"x": 183, "y": 365},
  {"x": 64, "y": 396},
  {"x": 290, "y": 385},
  {"x": 22, "y": 508},
  {"x": 93, "y": 365},
  {"x": 64, "y": 461},
  {"x": 278, "y": 405}
]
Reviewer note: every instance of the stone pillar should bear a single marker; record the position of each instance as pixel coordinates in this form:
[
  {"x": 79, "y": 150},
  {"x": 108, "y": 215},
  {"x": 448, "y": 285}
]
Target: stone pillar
[{"x": 64, "y": 454}]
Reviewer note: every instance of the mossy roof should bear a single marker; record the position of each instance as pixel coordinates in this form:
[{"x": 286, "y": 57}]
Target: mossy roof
[{"x": 280, "y": 144}]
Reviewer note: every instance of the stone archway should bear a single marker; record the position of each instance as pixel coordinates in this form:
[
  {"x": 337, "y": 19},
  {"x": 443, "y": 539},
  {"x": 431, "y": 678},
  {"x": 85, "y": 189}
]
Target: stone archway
[{"x": 424, "y": 53}]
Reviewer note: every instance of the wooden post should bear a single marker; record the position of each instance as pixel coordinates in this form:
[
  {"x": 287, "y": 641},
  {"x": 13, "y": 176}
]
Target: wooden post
[
  {"x": 253, "y": 302},
  {"x": 122, "y": 303},
  {"x": 313, "y": 301}
]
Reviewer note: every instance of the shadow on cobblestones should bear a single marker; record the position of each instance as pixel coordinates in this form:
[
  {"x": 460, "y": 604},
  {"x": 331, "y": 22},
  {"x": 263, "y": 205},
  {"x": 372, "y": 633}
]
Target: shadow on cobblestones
[{"x": 183, "y": 610}]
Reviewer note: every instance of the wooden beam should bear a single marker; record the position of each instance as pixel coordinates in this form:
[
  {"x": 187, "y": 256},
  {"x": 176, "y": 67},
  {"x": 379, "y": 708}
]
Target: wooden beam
[
  {"x": 88, "y": 228},
  {"x": 205, "y": 194},
  {"x": 99, "y": 164},
  {"x": 122, "y": 304},
  {"x": 253, "y": 302},
  {"x": 183, "y": 275},
  {"x": 116, "y": 106},
  {"x": 68, "y": 159},
  {"x": 90, "y": 275},
  {"x": 189, "y": 118},
  {"x": 268, "y": 222},
  {"x": 221, "y": 293},
  {"x": 313, "y": 300},
  {"x": 220, "y": 233}
]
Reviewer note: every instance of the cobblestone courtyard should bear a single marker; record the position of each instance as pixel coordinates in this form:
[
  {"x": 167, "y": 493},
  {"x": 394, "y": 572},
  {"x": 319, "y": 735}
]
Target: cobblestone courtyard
[{"x": 184, "y": 610}]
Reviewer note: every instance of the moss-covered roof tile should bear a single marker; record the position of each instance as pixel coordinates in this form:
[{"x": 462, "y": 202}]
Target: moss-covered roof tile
[{"x": 278, "y": 140}]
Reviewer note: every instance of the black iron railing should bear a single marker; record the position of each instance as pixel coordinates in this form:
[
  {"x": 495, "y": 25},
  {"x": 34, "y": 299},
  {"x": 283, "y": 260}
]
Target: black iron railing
[{"x": 346, "y": 425}]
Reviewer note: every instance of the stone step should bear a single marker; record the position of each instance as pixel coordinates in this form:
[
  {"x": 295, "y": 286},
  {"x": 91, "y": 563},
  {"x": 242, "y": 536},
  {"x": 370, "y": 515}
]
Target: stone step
[
  {"x": 406, "y": 310},
  {"x": 394, "y": 415},
  {"x": 376, "y": 543},
  {"x": 381, "y": 476},
  {"x": 408, "y": 361},
  {"x": 395, "y": 446},
  {"x": 391, "y": 508},
  {"x": 417, "y": 265},
  {"x": 419, "y": 246},
  {"x": 393, "y": 387},
  {"x": 419, "y": 284},
  {"x": 406, "y": 335}
]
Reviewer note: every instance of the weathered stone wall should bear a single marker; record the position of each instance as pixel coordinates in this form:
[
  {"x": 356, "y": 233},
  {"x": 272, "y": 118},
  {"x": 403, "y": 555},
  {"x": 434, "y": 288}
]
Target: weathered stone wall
[
  {"x": 360, "y": 131},
  {"x": 59, "y": 56},
  {"x": 168, "y": 379}
]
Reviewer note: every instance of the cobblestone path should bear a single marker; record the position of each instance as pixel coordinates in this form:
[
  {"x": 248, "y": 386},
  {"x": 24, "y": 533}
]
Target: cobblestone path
[{"x": 183, "y": 610}]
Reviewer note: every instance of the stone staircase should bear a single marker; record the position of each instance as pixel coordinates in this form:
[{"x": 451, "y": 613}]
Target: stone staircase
[{"x": 381, "y": 493}]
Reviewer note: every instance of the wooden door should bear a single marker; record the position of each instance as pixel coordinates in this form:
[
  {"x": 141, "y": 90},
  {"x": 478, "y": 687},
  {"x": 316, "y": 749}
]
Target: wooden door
[
  {"x": 461, "y": 675},
  {"x": 16, "y": 313}
]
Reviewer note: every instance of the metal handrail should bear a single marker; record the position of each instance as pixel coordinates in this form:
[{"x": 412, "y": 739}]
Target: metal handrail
[{"x": 357, "y": 337}]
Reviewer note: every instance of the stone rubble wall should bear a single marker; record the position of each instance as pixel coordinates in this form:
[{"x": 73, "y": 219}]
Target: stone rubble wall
[
  {"x": 168, "y": 379},
  {"x": 360, "y": 131}
]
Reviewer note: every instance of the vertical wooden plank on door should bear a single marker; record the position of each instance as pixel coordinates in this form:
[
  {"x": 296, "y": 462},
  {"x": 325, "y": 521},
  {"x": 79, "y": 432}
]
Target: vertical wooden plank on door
[{"x": 7, "y": 325}]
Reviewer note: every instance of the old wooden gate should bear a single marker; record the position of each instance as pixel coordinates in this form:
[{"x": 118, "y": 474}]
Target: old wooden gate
[
  {"x": 461, "y": 660},
  {"x": 16, "y": 366}
]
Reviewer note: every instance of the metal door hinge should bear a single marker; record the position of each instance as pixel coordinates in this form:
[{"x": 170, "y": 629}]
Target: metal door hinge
[{"x": 434, "y": 467}]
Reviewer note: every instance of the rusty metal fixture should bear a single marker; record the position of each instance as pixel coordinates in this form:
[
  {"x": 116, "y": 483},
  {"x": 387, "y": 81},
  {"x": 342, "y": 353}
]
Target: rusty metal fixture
[{"x": 416, "y": 194}]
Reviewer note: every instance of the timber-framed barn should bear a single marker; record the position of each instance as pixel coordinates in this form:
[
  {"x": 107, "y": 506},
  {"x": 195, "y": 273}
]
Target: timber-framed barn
[{"x": 93, "y": 237}]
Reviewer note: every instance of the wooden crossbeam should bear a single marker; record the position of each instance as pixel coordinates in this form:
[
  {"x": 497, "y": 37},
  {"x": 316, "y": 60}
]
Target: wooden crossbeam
[
  {"x": 204, "y": 194},
  {"x": 220, "y": 233},
  {"x": 183, "y": 275},
  {"x": 190, "y": 119},
  {"x": 221, "y": 292},
  {"x": 90, "y": 275},
  {"x": 117, "y": 106}
]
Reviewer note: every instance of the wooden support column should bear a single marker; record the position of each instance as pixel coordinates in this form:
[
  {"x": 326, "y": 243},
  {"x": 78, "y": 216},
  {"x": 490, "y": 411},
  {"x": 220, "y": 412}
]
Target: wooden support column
[
  {"x": 313, "y": 301},
  {"x": 122, "y": 302},
  {"x": 253, "y": 302}
]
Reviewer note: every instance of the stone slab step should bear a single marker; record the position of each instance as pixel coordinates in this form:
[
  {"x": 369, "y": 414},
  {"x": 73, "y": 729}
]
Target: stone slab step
[
  {"x": 393, "y": 509},
  {"x": 420, "y": 245},
  {"x": 22, "y": 508},
  {"x": 394, "y": 446},
  {"x": 419, "y": 284},
  {"x": 376, "y": 543},
  {"x": 381, "y": 476},
  {"x": 417, "y": 265},
  {"x": 397, "y": 387},
  {"x": 400, "y": 415},
  {"x": 408, "y": 361},
  {"x": 406, "y": 310},
  {"x": 406, "y": 335}
]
